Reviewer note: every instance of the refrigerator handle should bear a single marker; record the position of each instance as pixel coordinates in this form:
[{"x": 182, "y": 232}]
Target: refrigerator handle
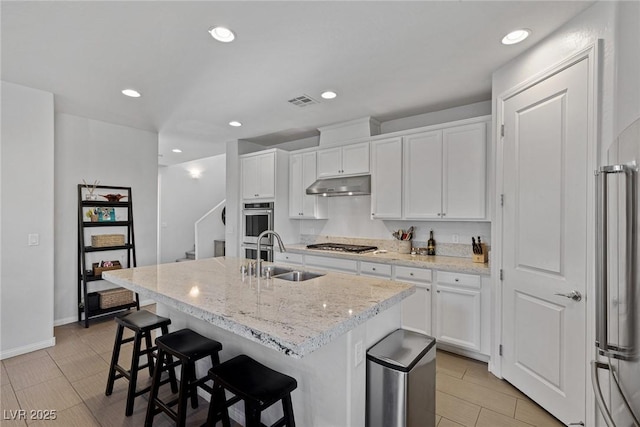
[
  {"x": 595, "y": 383},
  {"x": 602, "y": 277}
]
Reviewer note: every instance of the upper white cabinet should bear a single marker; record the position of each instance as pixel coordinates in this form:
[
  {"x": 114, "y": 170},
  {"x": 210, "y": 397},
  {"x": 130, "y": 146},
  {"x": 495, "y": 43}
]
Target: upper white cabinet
[
  {"x": 423, "y": 175},
  {"x": 345, "y": 160},
  {"x": 386, "y": 178},
  {"x": 302, "y": 173},
  {"x": 464, "y": 174},
  {"x": 445, "y": 173},
  {"x": 258, "y": 176}
]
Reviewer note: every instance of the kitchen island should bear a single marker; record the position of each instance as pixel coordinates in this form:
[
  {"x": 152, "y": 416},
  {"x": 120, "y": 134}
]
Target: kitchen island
[{"x": 316, "y": 331}]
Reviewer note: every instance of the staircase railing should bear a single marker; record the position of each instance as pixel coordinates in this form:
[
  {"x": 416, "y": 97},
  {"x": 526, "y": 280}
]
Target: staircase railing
[{"x": 207, "y": 229}]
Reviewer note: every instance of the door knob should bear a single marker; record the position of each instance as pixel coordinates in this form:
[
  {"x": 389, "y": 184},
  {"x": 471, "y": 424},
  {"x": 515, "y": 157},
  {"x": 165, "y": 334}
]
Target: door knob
[{"x": 574, "y": 295}]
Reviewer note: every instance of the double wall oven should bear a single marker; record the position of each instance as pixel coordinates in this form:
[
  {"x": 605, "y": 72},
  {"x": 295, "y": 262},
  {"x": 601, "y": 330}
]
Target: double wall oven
[{"x": 256, "y": 218}]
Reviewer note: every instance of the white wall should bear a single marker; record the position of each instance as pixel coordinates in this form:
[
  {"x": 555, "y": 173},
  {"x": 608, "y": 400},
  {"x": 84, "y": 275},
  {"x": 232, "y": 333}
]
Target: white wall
[
  {"x": 27, "y": 285},
  {"x": 184, "y": 199},
  {"x": 115, "y": 155},
  {"x": 627, "y": 107}
]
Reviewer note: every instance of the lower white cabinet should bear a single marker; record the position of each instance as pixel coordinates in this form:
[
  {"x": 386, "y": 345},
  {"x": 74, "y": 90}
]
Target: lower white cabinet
[
  {"x": 457, "y": 313},
  {"x": 416, "y": 309},
  {"x": 288, "y": 258},
  {"x": 335, "y": 264},
  {"x": 374, "y": 269}
]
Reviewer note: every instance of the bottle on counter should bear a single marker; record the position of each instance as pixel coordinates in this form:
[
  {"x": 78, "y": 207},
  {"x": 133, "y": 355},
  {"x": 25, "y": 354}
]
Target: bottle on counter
[{"x": 431, "y": 244}]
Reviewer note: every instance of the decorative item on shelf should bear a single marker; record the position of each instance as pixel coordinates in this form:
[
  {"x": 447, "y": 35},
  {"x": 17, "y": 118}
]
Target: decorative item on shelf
[
  {"x": 431, "y": 244},
  {"x": 91, "y": 189},
  {"x": 106, "y": 240},
  {"x": 115, "y": 297},
  {"x": 99, "y": 267},
  {"x": 92, "y": 214},
  {"x": 113, "y": 197},
  {"x": 106, "y": 214},
  {"x": 479, "y": 251}
]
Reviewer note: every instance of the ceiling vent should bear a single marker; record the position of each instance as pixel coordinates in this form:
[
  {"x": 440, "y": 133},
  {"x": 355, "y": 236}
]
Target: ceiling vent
[{"x": 302, "y": 101}]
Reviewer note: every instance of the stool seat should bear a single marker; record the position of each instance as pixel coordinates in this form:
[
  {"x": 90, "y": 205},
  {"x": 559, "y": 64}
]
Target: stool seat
[
  {"x": 187, "y": 344},
  {"x": 251, "y": 380},
  {"x": 142, "y": 320},
  {"x": 257, "y": 385},
  {"x": 188, "y": 347}
]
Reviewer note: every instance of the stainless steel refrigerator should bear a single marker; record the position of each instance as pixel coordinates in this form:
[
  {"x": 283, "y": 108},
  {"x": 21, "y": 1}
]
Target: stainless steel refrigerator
[{"x": 615, "y": 374}]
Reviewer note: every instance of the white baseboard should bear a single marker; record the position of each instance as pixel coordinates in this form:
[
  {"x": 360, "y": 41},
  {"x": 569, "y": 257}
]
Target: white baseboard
[{"x": 27, "y": 348}]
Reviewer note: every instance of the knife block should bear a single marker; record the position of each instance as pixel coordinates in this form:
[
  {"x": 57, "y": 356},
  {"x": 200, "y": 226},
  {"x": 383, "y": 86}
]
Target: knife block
[{"x": 480, "y": 258}]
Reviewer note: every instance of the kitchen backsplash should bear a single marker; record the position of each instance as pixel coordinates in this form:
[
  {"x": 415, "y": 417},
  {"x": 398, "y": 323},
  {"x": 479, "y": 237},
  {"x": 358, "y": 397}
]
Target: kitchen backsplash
[{"x": 460, "y": 250}]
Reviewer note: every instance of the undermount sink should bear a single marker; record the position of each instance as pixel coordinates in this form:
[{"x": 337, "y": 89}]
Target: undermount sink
[
  {"x": 297, "y": 276},
  {"x": 273, "y": 270}
]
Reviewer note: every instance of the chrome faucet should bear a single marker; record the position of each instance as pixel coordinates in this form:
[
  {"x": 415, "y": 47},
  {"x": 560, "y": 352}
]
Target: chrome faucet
[{"x": 259, "y": 258}]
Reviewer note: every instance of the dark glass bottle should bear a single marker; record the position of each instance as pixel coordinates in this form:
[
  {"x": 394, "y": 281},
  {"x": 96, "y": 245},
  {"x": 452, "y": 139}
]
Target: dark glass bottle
[{"x": 431, "y": 244}]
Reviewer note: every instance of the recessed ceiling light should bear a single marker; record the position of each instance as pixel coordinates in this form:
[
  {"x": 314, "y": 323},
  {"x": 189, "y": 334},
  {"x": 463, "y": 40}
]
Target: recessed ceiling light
[
  {"x": 516, "y": 36},
  {"x": 177, "y": 150},
  {"x": 235, "y": 123},
  {"x": 131, "y": 92},
  {"x": 222, "y": 34},
  {"x": 329, "y": 94}
]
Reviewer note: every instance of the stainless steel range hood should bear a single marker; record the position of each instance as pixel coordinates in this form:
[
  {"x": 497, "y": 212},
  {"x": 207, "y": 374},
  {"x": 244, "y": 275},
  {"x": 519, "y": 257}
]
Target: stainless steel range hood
[{"x": 347, "y": 186}]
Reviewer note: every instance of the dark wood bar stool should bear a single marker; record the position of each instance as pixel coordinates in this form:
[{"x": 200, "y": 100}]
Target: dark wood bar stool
[
  {"x": 141, "y": 323},
  {"x": 187, "y": 347},
  {"x": 259, "y": 387}
]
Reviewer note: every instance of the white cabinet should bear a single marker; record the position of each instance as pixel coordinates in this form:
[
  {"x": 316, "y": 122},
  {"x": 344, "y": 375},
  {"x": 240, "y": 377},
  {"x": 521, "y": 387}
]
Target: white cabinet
[
  {"x": 374, "y": 269},
  {"x": 302, "y": 173},
  {"x": 457, "y": 308},
  {"x": 445, "y": 173},
  {"x": 335, "y": 264},
  {"x": 386, "y": 179},
  {"x": 258, "y": 176},
  {"x": 422, "y": 186},
  {"x": 464, "y": 177},
  {"x": 416, "y": 309},
  {"x": 345, "y": 160}
]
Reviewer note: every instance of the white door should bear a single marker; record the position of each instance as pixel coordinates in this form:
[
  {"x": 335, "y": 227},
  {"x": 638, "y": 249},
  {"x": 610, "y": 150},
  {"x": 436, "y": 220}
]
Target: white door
[
  {"x": 329, "y": 162},
  {"x": 296, "y": 186},
  {"x": 545, "y": 183},
  {"x": 458, "y": 316},
  {"x": 266, "y": 175},
  {"x": 309, "y": 203},
  {"x": 249, "y": 177},
  {"x": 355, "y": 159}
]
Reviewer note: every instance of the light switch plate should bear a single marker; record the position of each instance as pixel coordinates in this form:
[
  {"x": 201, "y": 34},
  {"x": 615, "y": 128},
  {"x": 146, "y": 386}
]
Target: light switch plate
[
  {"x": 359, "y": 353},
  {"x": 34, "y": 239}
]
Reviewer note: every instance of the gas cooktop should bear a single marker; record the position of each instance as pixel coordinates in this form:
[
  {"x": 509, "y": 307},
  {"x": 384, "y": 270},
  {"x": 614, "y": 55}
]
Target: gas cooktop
[{"x": 342, "y": 247}]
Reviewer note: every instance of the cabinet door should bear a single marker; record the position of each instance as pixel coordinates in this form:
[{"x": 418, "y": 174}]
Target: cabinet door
[
  {"x": 416, "y": 310},
  {"x": 249, "y": 178},
  {"x": 355, "y": 159},
  {"x": 266, "y": 175},
  {"x": 422, "y": 185},
  {"x": 386, "y": 177},
  {"x": 464, "y": 160},
  {"x": 458, "y": 316},
  {"x": 312, "y": 206},
  {"x": 329, "y": 162},
  {"x": 296, "y": 186},
  {"x": 374, "y": 269}
]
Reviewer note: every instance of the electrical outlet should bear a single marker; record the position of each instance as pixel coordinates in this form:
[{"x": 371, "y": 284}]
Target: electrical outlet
[
  {"x": 359, "y": 353},
  {"x": 34, "y": 239},
  {"x": 455, "y": 238}
]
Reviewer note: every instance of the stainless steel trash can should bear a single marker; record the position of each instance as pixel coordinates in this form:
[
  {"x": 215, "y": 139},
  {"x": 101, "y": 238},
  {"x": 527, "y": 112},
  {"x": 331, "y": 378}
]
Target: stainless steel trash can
[{"x": 401, "y": 381}]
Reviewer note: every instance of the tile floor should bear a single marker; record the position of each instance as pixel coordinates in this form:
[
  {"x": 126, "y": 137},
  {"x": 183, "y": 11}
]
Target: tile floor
[{"x": 70, "y": 379}]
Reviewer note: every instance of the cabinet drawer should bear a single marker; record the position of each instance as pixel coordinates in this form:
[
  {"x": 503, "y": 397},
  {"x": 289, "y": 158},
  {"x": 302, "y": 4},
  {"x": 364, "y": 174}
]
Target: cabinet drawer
[
  {"x": 375, "y": 269},
  {"x": 287, "y": 257},
  {"x": 346, "y": 265},
  {"x": 413, "y": 274},
  {"x": 469, "y": 280}
]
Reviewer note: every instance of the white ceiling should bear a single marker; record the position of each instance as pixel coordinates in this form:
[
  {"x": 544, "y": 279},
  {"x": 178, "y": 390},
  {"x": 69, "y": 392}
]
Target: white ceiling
[{"x": 386, "y": 59}]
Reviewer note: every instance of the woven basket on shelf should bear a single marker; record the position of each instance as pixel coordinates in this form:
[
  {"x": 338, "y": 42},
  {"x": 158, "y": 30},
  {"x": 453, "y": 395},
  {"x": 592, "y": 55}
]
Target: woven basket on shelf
[
  {"x": 97, "y": 271},
  {"x": 115, "y": 297},
  {"x": 104, "y": 240}
]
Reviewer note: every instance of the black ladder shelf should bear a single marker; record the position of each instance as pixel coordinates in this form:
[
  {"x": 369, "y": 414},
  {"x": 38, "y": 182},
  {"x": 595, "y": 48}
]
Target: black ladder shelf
[{"x": 85, "y": 226}]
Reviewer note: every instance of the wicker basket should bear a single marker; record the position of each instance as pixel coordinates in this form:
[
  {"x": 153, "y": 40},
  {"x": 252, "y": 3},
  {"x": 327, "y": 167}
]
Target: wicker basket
[
  {"x": 97, "y": 271},
  {"x": 115, "y": 297},
  {"x": 105, "y": 240}
]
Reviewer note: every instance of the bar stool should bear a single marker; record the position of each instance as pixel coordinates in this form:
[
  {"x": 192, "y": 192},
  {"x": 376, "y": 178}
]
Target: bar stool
[
  {"x": 141, "y": 323},
  {"x": 259, "y": 387},
  {"x": 188, "y": 347}
]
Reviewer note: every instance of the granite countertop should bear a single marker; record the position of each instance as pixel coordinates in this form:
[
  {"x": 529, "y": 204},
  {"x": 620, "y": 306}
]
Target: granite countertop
[
  {"x": 444, "y": 263},
  {"x": 294, "y": 318}
]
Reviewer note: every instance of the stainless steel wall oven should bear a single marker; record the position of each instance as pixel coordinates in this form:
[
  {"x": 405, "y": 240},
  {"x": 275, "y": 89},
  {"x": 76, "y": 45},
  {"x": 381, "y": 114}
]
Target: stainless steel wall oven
[{"x": 256, "y": 218}]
